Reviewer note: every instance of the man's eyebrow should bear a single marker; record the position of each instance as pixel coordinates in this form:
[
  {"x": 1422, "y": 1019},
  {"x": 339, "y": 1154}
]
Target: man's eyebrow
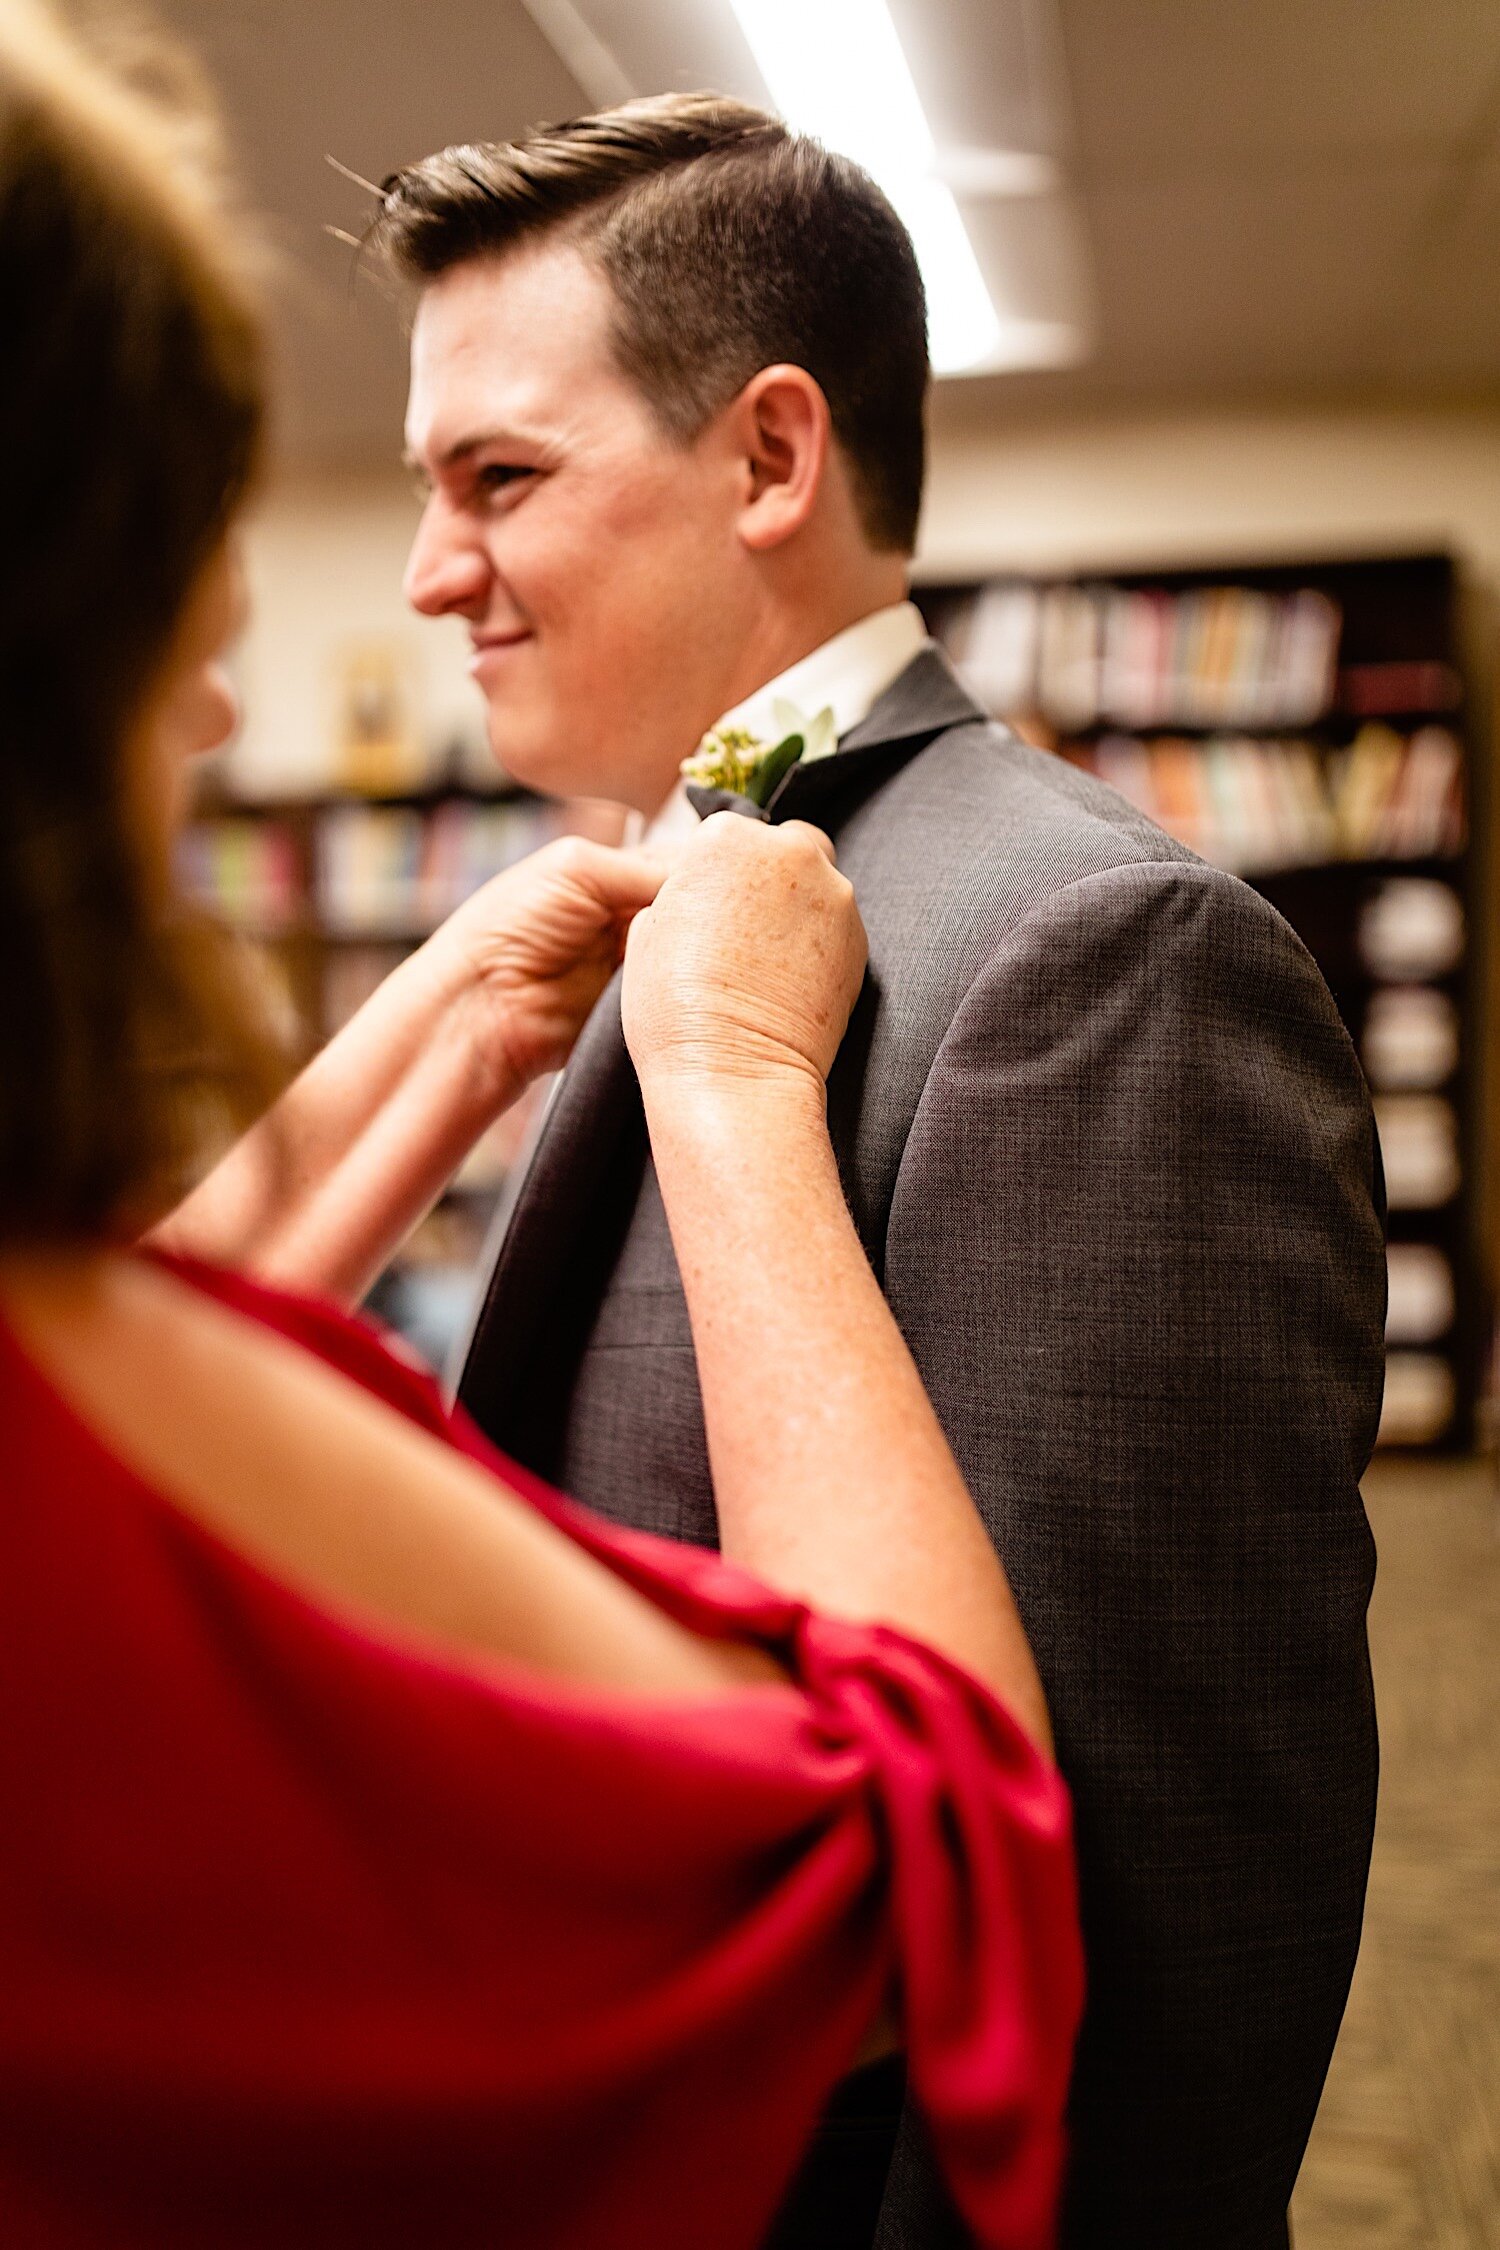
[{"x": 461, "y": 448}]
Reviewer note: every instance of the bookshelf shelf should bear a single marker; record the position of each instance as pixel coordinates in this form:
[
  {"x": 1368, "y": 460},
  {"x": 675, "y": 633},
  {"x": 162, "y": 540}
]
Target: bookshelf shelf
[{"x": 1304, "y": 725}]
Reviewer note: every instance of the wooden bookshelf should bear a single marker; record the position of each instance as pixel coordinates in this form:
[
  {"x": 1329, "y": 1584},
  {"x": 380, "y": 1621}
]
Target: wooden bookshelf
[{"x": 1307, "y": 726}]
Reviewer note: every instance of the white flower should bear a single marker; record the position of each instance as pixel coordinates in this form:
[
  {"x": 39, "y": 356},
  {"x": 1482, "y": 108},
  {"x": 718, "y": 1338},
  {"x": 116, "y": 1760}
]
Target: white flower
[{"x": 746, "y": 765}]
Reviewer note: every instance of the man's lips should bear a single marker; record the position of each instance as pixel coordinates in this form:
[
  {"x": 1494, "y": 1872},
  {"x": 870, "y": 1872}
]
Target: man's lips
[{"x": 490, "y": 649}]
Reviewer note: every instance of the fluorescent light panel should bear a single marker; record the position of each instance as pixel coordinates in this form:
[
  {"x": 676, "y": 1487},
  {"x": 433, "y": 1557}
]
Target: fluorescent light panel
[{"x": 836, "y": 70}]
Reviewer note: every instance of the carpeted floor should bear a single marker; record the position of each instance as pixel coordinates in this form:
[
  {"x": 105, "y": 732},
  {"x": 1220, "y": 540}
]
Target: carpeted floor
[{"x": 1406, "y": 2151}]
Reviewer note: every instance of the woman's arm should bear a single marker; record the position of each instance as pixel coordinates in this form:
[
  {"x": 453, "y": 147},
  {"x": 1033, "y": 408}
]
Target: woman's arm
[
  {"x": 325, "y": 1187},
  {"x": 832, "y": 1476}
]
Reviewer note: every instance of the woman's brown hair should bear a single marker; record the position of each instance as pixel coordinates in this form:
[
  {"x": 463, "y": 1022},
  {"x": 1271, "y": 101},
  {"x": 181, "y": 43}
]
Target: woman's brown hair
[{"x": 131, "y": 410}]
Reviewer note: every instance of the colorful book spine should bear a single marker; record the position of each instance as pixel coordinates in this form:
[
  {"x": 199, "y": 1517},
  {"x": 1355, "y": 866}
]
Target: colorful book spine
[
  {"x": 244, "y": 869},
  {"x": 1082, "y": 656},
  {"x": 1255, "y": 804}
]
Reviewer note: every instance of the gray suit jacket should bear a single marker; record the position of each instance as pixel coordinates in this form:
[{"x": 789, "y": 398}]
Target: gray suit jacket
[{"x": 1109, "y": 1149}]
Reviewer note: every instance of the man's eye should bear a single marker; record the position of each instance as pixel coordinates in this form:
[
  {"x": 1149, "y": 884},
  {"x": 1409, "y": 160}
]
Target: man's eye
[{"x": 496, "y": 476}]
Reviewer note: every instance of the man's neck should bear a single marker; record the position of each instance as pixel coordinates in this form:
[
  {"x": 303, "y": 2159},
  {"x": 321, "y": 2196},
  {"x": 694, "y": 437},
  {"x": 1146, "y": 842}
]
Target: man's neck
[
  {"x": 844, "y": 672},
  {"x": 788, "y": 636},
  {"x": 789, "y": 624}
]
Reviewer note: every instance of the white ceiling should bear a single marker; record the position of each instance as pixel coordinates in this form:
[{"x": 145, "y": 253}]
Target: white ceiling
[
  {"x": 1290, "y": 193},
  {"x": 1262, "y": 198},
  {"x": 304, "y": 80},
  {"x": 991, "y": 79}
]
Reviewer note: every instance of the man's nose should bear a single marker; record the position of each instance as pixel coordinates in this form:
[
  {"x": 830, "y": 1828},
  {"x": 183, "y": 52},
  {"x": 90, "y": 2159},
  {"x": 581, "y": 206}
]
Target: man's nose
[{"x": 445, "y": 570}]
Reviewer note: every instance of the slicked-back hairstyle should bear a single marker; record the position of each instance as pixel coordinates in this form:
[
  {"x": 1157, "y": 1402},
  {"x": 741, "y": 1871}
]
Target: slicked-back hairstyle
[
  {"x": 131, "y": 401},
  {"x": 730, "y": 244}
]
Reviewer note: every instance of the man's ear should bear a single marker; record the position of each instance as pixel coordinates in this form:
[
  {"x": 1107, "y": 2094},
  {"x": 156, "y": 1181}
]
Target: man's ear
[{"x": 781, "y": 429}]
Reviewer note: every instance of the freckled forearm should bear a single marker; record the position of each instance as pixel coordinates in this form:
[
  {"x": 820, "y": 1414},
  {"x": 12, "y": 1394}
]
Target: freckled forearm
[{"x": 323, "y": 1189}]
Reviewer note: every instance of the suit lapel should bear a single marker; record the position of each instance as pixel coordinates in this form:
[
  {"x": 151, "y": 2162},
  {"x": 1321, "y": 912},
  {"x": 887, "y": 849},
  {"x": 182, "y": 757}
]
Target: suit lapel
[
  {"x": 564, "y": 1230},
  {"x": 921, "y": 702}
]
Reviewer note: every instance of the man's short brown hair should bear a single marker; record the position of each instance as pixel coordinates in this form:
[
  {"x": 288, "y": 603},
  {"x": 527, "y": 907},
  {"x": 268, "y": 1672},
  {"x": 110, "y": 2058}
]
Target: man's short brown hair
[{"x": 730, "y": 244}]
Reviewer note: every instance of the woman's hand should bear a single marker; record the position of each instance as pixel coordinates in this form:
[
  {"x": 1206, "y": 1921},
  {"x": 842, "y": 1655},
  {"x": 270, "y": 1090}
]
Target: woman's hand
[
  {"x": 319, "y": 1193},
  {"x": 535, "y": 948},
  {"x": 747, "y": 966}
]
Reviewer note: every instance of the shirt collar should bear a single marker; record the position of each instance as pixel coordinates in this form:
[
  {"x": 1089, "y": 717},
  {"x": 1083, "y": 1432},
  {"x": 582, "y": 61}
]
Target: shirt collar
[{"x": 850, "y": 673}]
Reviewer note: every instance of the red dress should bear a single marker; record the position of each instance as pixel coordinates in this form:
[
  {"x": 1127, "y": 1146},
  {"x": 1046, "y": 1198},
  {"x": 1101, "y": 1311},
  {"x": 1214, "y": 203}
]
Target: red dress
[{"x": 310, "y": 1937}]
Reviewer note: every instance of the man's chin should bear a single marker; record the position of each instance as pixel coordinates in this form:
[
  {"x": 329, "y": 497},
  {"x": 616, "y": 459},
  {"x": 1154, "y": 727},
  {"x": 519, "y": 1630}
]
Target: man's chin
[
  {"x": 541, "y": 763},
  {"x": 588, "y": 755}
]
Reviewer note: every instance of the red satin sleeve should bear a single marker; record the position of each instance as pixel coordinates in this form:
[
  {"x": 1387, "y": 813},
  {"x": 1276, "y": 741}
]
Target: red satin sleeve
[{"x": 311, "y": 1937}]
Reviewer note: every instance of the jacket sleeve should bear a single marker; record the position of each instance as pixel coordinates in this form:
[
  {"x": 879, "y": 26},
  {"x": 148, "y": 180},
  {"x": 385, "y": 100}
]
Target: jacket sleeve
[{"x": 1135, "y": 1246}]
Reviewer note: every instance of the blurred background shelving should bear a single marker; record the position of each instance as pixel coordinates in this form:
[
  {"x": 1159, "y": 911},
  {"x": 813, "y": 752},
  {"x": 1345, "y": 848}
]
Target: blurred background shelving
[
  {"x": 332, "y": 892},
  {"x": 1305, "y": 726}
]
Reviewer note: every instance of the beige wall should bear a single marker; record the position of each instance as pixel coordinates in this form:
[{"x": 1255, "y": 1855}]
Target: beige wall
[
  {"x": 326, "y": 556},
  {"x": 1210, "y": 487},
  {"x": 325, "y": 560}
]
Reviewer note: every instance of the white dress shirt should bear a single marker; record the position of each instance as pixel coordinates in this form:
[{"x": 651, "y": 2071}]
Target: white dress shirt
[{"x": 848, "y": 674}]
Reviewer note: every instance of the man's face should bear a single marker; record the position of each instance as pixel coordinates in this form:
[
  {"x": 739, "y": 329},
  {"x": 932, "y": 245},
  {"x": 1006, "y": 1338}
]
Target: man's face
[{"x": 594, "y": 558}]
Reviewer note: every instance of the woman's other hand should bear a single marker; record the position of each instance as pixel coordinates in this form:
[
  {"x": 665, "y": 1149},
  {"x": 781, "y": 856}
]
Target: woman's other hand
[
  {"x": 538, "y": 945},
  {"x": 748, "y": 964}
]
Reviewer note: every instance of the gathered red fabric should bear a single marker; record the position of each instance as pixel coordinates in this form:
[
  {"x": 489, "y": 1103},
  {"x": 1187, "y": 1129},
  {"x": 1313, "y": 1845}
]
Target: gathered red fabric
[{"x": 309, "y": 1935}]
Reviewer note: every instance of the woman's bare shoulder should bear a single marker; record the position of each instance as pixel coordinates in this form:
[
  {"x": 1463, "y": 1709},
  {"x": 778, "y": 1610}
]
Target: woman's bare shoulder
[{"x": 331, "y": 1489}]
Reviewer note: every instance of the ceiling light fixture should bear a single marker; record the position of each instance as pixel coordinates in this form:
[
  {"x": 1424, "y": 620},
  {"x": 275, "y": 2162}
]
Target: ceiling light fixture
[{"x": 836, "y": 70}]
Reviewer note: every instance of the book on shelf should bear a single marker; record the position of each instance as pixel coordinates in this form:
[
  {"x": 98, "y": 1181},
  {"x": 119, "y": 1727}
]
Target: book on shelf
[
  {"x": 245, "y": 869},
  {"x": 1085, "y": 656},
  {"x": 362, "y": 868},
  {"x": 367, "y": 867},
  {"x": 1254, "y": 804},
  {"x": 397, "y": 869}
]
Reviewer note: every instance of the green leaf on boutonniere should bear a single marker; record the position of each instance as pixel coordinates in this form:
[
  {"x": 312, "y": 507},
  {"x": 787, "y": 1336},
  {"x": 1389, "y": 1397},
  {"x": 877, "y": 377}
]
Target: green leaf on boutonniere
[
  {"x": 734, "y": 759},
  {"x": 778, "y": 760}
]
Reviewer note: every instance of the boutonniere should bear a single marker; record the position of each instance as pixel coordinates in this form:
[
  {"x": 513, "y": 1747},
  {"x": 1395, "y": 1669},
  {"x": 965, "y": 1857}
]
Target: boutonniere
[{"x": 748, "y": 765}]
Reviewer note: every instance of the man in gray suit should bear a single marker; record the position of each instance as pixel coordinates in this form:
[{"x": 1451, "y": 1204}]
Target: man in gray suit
[{"x": 1100, "y": 1126}]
